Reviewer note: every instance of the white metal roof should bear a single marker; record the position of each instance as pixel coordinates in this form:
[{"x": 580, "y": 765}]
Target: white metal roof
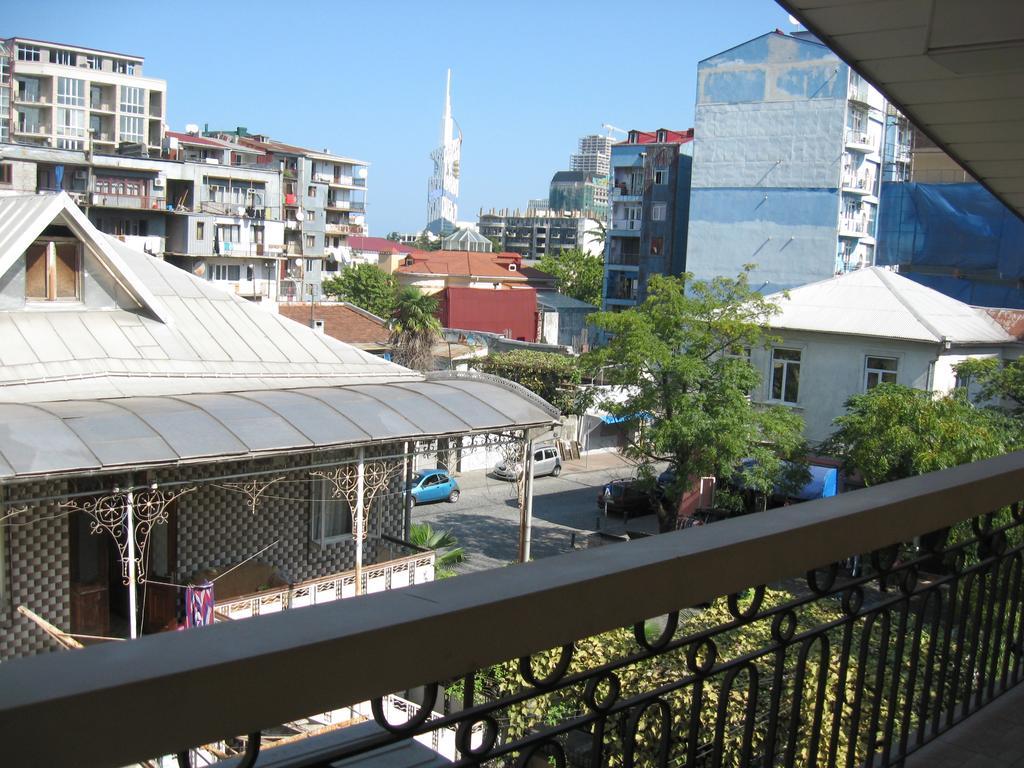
[
  {"x": 79, "y": 436},
  {"x": 182, "y": 372},
  {"x": 180, "y": 335},
  {"x": 877, "y": 302}
]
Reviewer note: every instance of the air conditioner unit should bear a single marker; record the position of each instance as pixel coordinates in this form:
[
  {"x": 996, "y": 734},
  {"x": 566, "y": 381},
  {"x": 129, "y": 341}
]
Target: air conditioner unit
[{"x": 81, "y": 174}]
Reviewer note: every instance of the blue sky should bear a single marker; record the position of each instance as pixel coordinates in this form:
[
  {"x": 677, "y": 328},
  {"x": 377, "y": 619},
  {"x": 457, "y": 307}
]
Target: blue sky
[{"x": 365, "y": 78}]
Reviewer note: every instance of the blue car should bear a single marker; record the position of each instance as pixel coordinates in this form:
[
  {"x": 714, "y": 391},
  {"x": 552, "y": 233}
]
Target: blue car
[{"x": 433, "y": 485}]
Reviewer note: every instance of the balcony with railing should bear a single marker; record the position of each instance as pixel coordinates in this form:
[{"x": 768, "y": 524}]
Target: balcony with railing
[
  {"x": 858, "y": 183},
  {"x": 853, "y": 225},
  {"x": 860, "y": 141},
  {"x": 847, "y": 631},
  {"x": 140, "y": 202},
  {"x": 626, "y": 227}
]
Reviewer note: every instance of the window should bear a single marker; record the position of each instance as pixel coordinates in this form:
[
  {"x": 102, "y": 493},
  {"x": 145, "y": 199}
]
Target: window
[
  {"x": 658, "y": 211},
  {"x": 6, "y": 175},
  {"x": 121, "y": 67},
  {"x": 879, "y": 370},
  {"x": 67, "y": 58},
  {"x": 310, "y": 265},
  {"x": 331, "y": 518},
  {"x": 129, "y": 68},
  {"x": 92, "y": 62},
  {"x": 661, "y": 175},
  {"x": 200, "y": 230},
  {"x": 310, "y": 241},
  {"x": 28, "y": 53},
  {"x": 229, "y": 233},
  {"x": 231, "y": 272},
  {"x": 657, "y": 246},
  {"x": 785, "y": 375},
  {"x": 51, "y": 271},
  {"x": 71, "y": 91},
  {"x": 70, "y": 128},
  {"x": 133, "y": 99},
  {"x": 131, "y": 129},
  {"x": 311, "y": 191}
]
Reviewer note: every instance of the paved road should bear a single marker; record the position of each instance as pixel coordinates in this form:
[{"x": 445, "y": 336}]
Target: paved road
[{"x": 485, "y": 519}]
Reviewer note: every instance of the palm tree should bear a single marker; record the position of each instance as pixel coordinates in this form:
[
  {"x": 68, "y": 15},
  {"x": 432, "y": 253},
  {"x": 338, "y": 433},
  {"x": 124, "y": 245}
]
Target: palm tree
[
  {"x": 422, "y": 535},
  {"x": 414, "y": 328}
]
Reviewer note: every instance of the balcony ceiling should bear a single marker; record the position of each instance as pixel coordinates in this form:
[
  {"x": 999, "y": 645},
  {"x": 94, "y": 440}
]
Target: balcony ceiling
[{"x": 955, "y": 68}]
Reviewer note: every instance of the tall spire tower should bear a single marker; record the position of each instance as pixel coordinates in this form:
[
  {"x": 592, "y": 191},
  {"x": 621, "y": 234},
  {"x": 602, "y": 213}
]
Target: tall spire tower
[{"x": 443, "y": 187}]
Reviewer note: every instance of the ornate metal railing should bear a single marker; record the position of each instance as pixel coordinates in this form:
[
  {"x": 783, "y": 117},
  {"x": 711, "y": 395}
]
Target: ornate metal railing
[
  {"x": 915, "y": 621},
  {"x": 392, "y": 574}
]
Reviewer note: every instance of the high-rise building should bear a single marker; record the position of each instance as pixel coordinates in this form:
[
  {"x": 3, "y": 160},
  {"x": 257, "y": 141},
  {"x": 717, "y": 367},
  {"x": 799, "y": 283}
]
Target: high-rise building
[
  {"x": 69, "y": 97},
  {"x": 443, "y": 187},
  {"x": 594, "y": 155},
  {"x": 579, "y": 191},
  {"x": 539, "y": 232},
  {"x": 650, "y": 177},
  {"x": 786, "y": 163}
]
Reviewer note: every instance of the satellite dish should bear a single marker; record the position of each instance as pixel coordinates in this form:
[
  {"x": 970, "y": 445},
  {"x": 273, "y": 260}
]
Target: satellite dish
[
  {"x": 241, "y": 210},
  {"x": 362, "y": 173},
  {"x": 794, "y": 21},
  {"x": 300, "y": 215},
  {"x": 192, "y": 128}
]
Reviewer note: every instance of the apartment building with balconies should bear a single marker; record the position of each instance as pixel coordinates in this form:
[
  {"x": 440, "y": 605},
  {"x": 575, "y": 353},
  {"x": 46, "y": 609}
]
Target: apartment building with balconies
[
  {"x": 649, "y": 195},
  {"x": 539, "y": 232},
  {"x": 787, "y": 162},
  {"x": 323, "y": 199},
  {"x": 218, "y": 221},
  {"x": 70, "y": 97}
]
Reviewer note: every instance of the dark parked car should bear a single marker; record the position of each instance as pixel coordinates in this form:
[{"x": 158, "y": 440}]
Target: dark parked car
[{"x": 626, "y": 496}]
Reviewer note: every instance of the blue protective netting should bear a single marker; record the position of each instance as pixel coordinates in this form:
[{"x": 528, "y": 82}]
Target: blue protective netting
[{"x": 957, "y": 226}]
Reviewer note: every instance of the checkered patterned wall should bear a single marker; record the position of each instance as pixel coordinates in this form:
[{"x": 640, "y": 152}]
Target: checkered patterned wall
[
  {"x": 215, "y": 528},
  {"x": 37, "y": 561}
]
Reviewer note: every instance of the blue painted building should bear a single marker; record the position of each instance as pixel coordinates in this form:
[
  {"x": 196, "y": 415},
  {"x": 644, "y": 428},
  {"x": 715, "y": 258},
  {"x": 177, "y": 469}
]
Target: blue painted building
[
  {"x": 649, "y": 201},
  {"x": 787, "y": 161}
]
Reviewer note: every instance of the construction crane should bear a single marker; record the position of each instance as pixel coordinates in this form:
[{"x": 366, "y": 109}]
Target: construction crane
[{"x": 612, "y": 129}]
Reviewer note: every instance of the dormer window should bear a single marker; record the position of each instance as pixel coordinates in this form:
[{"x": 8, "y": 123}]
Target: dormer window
[{"x": 53, "y": 270}]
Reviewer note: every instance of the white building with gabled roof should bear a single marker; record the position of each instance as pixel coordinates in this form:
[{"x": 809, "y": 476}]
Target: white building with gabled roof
[
  {"x": 840, "y": 337},
  {"x": 155, "y": 431}
]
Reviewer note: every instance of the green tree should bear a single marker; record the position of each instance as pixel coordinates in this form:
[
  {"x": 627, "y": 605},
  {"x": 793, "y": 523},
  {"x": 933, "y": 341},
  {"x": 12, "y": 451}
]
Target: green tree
[
  {"x": 682, "y": 357},
  {"x": 447, "y": 553},
  {"x": 366, "y": 286},
  {"x": 579, "y": 274},
  {"x": 393, "y": 236},
  {"x": 414, "y": 328},
  {"x": 891, "y": 432},
  {"x": 425, "y": 243},
  {"x": 556, "y": 378},
  {"x": 1000, "y": 381}
]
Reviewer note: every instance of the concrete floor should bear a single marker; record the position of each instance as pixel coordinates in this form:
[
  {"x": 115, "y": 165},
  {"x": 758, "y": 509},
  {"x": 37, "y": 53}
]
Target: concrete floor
[{"x": 993, "y": 737}]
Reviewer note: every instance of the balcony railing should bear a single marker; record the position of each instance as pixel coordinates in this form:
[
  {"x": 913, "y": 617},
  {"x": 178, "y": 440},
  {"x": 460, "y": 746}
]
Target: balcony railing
[
  {"x": 854, "y": 226},
  {"x": 860, "y": 140},
  {"x": 405, "y": 571},
  {"x": 628, "y": 224},
  {"x": 147, "y": 202},
  {"x": 858, "y": 183},
  {"x": 892, "y": 614}
]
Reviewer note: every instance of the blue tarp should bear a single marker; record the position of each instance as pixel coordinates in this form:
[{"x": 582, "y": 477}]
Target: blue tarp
[
  {"x": 823, "y": 483},
  {"x": 956, "y": 226}
]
